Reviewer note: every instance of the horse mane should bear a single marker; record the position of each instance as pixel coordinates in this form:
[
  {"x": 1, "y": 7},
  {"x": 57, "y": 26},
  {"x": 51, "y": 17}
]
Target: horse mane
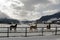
[{"x": 15, "y": 24}]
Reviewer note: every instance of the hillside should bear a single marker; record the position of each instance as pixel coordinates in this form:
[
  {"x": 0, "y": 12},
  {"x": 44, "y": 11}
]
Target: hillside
[
  {"x": 6, "y": 19},
  {"x": 49, "y": 17}
]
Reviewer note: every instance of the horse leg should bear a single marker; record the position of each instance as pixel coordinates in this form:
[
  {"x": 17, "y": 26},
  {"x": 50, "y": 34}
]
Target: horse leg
[
  {"x": 14, "y": 29},
  {"x": 35, "y": 29},
  {"x": 10, "y": 28},
  {"x": 30, "y": 29}
]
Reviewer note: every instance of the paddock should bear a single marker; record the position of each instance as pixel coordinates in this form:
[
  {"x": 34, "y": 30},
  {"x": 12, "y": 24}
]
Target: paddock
[{"x": 24, "y": 31}]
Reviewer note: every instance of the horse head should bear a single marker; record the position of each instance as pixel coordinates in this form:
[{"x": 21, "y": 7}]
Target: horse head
[{"x": 16, "y": 25}]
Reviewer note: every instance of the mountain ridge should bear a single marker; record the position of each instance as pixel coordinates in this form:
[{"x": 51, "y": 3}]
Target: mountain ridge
[
  {"x": 6, "y": 19},
  {"x": 48, "y": 17}
]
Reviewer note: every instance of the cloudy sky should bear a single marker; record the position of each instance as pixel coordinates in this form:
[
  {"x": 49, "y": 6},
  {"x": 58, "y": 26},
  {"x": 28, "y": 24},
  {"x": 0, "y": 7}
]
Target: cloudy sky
[{"x": 29, "y": 9}]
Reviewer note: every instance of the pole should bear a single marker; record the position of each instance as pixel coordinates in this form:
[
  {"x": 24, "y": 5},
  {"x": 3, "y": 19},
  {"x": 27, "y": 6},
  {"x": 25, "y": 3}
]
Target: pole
[
  {"x": 26, "y": 32},
  {"x": 56, "y": 31},
  {"x": 7, "y": 31},
  {"x": 42, "y": 31}
]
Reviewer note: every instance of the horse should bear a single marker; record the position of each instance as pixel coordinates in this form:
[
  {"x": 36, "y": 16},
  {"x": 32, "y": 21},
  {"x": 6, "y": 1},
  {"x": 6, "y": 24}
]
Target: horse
[
  {"x": 13, "y": 27},
  {"x": 48, "y": 26},
  {"x": 33, "y": 27}
]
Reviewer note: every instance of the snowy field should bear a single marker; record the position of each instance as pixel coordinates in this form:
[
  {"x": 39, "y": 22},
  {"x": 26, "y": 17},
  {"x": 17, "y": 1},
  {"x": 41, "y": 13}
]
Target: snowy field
[
  {"x": 31, "y": 36},
  {"x": 50, "y": 37}
]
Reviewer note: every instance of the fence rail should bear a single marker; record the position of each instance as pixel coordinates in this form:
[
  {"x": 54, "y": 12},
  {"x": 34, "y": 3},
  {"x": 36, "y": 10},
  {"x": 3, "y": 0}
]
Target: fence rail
[{"x": 26, "y": 31}]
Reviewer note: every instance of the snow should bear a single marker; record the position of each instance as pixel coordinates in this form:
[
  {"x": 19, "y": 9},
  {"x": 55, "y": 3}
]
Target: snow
[
  {"x": 51, "y": 37},
  {"x": 31, "y": 36}
]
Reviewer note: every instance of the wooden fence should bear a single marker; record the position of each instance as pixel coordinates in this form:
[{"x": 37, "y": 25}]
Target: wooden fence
[{"x": 26, "y": 31}]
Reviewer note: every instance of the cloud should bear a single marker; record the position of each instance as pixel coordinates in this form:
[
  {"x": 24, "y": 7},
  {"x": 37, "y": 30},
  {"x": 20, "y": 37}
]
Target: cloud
[
  {"x": 29, "y": 9},
  {"x": 10, "y": 7},
  {"x": 54, "y": 1},
  {"x": 49, "y": 12},
  {"x": 29, "y": 4}
]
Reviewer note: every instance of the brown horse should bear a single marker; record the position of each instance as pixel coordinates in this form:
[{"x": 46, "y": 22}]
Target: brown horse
[
  {"x": 33, "y": 27},
  {"x": 13, "y": 27}
]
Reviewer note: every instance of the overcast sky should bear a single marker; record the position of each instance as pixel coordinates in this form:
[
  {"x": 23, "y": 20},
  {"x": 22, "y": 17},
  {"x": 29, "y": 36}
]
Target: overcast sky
[{"x": 29, "y": 9}]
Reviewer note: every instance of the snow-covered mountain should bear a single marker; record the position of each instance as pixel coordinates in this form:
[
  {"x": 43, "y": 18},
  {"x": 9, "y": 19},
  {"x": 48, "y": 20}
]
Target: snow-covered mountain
[
  {"x": 50, "y": 17},
  {"x": 6, "y": 19}
]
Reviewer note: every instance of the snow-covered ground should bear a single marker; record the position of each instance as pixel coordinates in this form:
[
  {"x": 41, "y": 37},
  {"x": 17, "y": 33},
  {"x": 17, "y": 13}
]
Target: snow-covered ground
[
  {"x": 31, "y": 36},
  {"x": 50, "y": 37}
]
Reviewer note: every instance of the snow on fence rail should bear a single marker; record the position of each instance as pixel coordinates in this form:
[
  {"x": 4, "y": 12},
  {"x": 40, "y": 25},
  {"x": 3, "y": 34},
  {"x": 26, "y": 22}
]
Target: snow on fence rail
[{"x": 26, "y": 31}]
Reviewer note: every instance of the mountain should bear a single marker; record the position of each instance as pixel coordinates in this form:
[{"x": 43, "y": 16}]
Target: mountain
[
  {"x": 6, "y": 19},
  {"x": 48, "y": 17},
  {"x": 9, "y": 21},
  {"x": 26, "y": 22}
]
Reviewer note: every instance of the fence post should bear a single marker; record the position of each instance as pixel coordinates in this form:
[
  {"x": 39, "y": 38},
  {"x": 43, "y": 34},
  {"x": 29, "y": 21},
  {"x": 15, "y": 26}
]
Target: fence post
[
  {"x": 7, "y": 31},
  {"x": 26, "y": 32},
  {"x": 42, "y": 31},
  {"x": 56, "y": 31}
]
